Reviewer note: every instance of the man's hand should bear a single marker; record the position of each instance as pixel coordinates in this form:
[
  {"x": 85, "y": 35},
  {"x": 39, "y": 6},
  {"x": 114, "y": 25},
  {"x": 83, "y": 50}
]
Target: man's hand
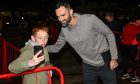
[
  {"x": 113, "y": 64},
  {"x": 36, "y": 60}
]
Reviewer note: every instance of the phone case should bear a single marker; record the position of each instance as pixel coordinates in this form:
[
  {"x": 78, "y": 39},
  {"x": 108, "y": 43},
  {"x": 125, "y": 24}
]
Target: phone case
[{"x": 37, "y": 49}]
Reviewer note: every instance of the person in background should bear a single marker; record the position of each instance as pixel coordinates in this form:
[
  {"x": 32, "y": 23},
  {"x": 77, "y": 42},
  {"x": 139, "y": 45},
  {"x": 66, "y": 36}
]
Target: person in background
[
  {"x": 27, "y": 60},
  {"x": 130, "y": 50},
  {"x": 91, "y": 39},
  {"x": 113, "y": 24},
  {"x": 110, "y": 21}
]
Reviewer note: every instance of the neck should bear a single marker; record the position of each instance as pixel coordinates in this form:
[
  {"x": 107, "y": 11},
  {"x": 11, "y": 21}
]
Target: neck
[{"x": 73, "y": 21}]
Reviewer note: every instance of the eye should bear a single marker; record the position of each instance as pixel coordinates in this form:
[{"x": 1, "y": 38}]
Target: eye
[
  {"x": 39, "y": 37},
  {"x": 46, "y": 37}
]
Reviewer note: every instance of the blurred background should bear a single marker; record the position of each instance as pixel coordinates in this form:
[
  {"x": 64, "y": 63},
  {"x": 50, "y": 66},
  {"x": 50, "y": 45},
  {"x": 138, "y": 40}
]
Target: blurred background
[{"x": 18, "y": 16}]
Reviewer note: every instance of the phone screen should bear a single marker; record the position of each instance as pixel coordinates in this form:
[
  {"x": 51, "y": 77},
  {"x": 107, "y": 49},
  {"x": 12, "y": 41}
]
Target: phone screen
[{"x": 37, "y": 49}]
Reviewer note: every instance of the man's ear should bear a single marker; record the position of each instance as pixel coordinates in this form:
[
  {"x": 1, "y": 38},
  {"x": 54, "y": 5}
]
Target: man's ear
[
  {"x": 71, "y": 11},
  {"x": 32, "y": 38}
]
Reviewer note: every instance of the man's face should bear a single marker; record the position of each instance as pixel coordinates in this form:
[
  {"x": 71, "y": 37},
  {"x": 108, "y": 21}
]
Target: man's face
[
  {"x": 109, "y": 18},
  {"x": 41, "y": 38},
  {"x": 63, "y": 15}
]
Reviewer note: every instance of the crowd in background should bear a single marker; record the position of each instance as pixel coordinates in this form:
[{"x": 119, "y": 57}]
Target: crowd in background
[{"x": 128, "y": 44}]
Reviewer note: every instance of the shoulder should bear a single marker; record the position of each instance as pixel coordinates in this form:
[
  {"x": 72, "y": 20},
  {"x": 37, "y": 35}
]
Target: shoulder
[
  {"x": 88, "y": 16},
  {"x": 131, "y": 24},
  {"x": 26, "y": 50}
]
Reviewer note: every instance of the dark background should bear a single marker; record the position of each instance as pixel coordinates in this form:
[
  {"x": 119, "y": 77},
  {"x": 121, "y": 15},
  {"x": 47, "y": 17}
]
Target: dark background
[{"x": 49, "y": 4}]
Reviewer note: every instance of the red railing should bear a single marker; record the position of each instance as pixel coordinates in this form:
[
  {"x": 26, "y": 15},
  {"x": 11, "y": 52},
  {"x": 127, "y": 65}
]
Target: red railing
[
  {"x": 8, "y": 53},
  {"x": 4, "y": 76}
]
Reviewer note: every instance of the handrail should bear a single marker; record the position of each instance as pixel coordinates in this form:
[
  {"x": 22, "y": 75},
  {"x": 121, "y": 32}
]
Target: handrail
[
  {"x": 9, "y": 53},
  {"x": 4, "y": 76},
  {"x": 11, "y": 45}
]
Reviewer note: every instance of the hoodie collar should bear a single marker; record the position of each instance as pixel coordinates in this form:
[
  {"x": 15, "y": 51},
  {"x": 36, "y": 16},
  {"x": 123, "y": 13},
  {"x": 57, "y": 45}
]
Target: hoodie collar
[{"x": 30, "y": 42}]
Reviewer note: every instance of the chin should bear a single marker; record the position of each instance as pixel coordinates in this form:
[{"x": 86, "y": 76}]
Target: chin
[{"x": 43, "y": 46}]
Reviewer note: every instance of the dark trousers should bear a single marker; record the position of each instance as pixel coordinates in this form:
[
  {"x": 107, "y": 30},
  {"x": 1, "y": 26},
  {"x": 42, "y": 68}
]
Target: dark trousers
[
  {"x": 129, "y": 59},
  {"x": 91, "y": 73}
]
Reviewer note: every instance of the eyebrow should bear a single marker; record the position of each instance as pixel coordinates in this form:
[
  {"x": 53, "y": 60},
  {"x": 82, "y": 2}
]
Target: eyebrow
[{"x": 61, "y": 15}]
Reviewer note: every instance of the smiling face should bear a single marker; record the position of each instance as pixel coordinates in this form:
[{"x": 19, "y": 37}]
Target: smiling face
[{"x": 64, "y": 15}]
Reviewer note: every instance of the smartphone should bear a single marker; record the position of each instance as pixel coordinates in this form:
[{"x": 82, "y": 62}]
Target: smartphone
[{"x": 37, "y": 49}]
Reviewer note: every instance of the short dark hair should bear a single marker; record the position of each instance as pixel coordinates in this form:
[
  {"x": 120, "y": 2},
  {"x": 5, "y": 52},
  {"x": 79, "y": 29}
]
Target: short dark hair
[
  {"x": 108, "y": 13},
  {"x": 63, "y": 3}
]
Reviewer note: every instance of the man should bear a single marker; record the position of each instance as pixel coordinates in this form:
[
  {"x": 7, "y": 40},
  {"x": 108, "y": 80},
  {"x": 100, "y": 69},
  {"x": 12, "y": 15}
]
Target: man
[
  {"x": 87, "y": 35},
  {"x": 111, "y": 21}
]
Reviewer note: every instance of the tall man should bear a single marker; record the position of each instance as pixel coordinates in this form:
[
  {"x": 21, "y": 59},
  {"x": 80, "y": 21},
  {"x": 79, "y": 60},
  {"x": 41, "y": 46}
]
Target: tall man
[{"x": 91, "y": 39}]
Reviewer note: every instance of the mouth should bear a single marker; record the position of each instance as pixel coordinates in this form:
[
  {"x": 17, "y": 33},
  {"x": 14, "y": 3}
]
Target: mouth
[
  {"x": 42, "y": 45},
  {"x": 63, "y": 21}
]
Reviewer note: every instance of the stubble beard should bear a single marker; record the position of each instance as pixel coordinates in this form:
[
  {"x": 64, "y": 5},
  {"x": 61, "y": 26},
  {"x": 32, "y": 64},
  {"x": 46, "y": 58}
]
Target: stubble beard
[{"x": 66, "y": 23}]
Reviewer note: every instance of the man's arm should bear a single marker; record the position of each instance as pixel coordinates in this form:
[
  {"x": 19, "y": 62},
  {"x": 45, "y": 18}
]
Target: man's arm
[
  {"x": 58, "y": 45},
  {"x": 103, "y": 29}
]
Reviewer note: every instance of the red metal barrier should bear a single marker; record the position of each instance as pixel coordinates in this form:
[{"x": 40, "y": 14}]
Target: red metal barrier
[
  {"x": 8, "y": 53},
  {"x": 9, "y": 75}
]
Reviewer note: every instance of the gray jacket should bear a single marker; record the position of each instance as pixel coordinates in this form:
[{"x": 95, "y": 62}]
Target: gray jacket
[{"x": 90, "y": 38}]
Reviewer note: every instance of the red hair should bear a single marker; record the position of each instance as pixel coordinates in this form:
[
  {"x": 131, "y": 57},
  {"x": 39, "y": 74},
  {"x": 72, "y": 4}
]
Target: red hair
[{"x": 39, "y": 27}]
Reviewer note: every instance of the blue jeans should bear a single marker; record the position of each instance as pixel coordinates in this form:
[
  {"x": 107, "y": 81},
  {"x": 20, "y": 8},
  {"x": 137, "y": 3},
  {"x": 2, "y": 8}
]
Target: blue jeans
[{"x": 91, "y": 73}]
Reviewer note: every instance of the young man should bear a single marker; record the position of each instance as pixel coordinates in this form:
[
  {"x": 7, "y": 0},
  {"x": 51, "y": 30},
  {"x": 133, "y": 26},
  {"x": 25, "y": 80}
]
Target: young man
[
  {"x": 130, "y": 50},
  {"x": 87, "y": 35},
  {"x": 29, "y": 61},
  {"x": 110, "y": 21}
]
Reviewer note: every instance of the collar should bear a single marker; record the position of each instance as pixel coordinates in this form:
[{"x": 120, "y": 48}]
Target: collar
[
  {"x": 78, "y": 21},
  {"x": 78, "y": 18}
]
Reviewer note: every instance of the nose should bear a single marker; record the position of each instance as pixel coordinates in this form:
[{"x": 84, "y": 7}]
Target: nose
[
  {"x": 43, "y": 41},
  {"x": 61, "y": 19}
]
